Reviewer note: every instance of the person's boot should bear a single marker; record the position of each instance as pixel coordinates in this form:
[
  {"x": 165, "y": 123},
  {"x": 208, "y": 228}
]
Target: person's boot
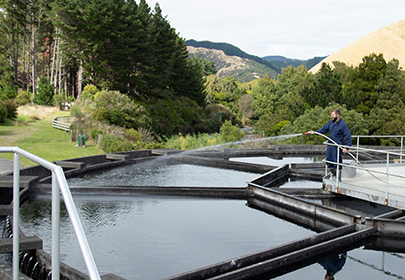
[
  {"x": 333, "y": 173},
  {"x": 329, "y": 174}
]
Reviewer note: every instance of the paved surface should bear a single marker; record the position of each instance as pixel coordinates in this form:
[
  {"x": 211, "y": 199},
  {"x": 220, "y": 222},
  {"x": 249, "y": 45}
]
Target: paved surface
[
  {"x": 6, "y": 166},
  {"x": 371, "y": 185}
]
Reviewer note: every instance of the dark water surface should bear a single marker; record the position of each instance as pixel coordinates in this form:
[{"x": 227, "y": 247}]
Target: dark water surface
[
  {"x": 166, "y": 175},
  {"x": 149, "y": 237}
]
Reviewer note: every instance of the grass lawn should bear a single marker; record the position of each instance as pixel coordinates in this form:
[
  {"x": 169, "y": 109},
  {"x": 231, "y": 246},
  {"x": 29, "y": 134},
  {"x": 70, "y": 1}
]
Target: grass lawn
[{"x": 39, "y": 138}]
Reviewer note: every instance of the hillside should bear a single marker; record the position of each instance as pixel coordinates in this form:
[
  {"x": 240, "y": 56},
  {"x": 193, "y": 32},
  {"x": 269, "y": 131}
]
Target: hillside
[
  {"x": 232, "y": 61},
  {"x": 282, "y": 62},
  {"x": 230, "y": 50},
  {"x": 390, "y": 41},
  {"x": 242, "y": 69}
]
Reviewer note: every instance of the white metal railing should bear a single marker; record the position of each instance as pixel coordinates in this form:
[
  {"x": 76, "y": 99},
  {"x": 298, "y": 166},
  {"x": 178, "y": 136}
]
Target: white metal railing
[
  {"x": 59, "y": 185},
  {"x": 381, "y": 136},
  {"x": 389, "y": 155},
  {"x": 60, "y": 123}
]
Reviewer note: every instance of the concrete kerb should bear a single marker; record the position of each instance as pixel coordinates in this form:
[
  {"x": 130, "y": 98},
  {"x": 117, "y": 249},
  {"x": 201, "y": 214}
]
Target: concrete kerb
[{"x": 84, "y": 165}]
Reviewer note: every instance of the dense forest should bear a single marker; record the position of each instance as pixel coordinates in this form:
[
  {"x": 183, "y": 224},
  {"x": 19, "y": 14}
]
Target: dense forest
[
  {"x": 55, "y": 48},
  {"x": 124, "y": 66}
]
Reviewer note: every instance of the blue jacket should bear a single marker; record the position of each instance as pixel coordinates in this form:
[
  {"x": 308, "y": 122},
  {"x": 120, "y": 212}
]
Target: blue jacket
[
  {"x": 335, "y": 263},
  {"x": 338, "y": 132}
]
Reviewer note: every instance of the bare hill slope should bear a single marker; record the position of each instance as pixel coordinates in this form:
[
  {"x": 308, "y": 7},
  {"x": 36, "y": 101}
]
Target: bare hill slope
[
  {"x": 242, "y": 69},
  {"x": 390, "y": 41}
]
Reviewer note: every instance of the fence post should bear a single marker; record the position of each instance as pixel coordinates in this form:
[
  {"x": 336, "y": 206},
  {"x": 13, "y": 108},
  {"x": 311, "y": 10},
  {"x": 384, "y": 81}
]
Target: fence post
[
  {"x": 386, "y": 181},
  {"x": 55, "y": 228},
  {"x": 16, "y": 216},
  {"x": 337, "y": 167}
]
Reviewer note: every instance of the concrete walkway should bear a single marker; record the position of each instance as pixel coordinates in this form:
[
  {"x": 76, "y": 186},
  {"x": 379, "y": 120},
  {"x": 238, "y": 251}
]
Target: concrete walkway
[
  {"x": 371, "y": 185},
  {"x": 6, "y": 166}
]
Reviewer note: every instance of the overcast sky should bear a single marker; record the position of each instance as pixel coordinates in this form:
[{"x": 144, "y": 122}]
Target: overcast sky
[{"x": 292, "y": 28}]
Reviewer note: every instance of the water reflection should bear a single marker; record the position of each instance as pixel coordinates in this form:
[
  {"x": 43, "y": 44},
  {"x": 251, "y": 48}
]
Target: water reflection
[
  {"x": 333, "y": 265},
  {"x": 166, "y": 175},
  {"x": 152, "y": 237}
]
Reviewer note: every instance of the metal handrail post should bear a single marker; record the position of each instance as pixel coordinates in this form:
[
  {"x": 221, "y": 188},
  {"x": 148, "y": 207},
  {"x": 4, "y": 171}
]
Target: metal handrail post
[
  {"x": 81, "y": 237},
  {"x": 337, "y": 165},
  {"x": 358, "y": 144},
  {"x": 55, "y": 228},
  {"x": 16, "y": 216},
  {"x": 402, "y": 148},
  {"x": 386, "y": 181},
  {"x": 60, "y": 182}
]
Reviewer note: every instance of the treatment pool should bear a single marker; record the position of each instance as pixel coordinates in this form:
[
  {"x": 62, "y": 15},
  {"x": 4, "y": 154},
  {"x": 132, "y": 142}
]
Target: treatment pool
[{"x": 153, "y": 237}]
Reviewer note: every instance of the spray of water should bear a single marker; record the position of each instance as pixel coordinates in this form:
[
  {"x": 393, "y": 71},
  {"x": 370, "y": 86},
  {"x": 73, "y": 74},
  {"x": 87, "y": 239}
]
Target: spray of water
[{"x": 252, "y": 143}]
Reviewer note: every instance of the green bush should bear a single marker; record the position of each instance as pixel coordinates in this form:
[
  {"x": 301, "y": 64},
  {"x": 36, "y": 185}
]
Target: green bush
[
  {"x": 89, "y": 92},
  {"x": 44, "y": 92},
  {"x": 230, "y": 133},
  {"x": 133, "y": 135},
  {"x": 173, "y": 115},
  {"x": 58, "y": 99},
  {"x": 11, "y": 109},
  {"x": 7, "y": 90},
  {"x": 118, "y": 109},
  {"x": 115, "y": 143},
  {"x": 3, "y": 111},
  {"x": 76, "y": 111},
  {"x": 279, "y": 126},
  {"x": 23, "y": 98},
  {"x": 94, "y": 132}
]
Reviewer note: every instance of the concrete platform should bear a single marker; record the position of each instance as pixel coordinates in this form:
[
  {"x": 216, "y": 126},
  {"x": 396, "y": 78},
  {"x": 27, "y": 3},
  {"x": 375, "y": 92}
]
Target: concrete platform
[
  {"x": 373, "y": 184},
  {"x": 6, "y": 166}
]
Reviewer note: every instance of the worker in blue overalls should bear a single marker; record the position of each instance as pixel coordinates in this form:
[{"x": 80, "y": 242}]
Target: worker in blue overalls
[
  {"x": 333, "y": 264},
  {"x": 338, "y": 132}
]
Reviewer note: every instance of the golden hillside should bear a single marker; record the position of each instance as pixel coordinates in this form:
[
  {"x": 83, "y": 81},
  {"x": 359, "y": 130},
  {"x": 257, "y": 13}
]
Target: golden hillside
[{"x": 390, "y": 41}]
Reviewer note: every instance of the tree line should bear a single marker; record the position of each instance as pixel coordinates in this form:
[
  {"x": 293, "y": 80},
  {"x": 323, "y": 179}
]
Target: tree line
[
  {"x": 370, "y": 96},
  {"x": 115, "y": 45},
  {"x": 55, "y": 48}
]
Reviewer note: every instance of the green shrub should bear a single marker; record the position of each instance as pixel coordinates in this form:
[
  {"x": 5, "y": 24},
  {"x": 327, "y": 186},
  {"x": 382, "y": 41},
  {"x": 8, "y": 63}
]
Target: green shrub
[
  {"x": 230, "y": 133},
  {"x": 115, "y": 143},
  {"x": 94, "y": 132},
  {"x": 133, "y": 135},
  {"x": 11, "y": 109},
  {"x": 3, "y": 111},
  {"x": 58, "y": 99},
  {"x": 189, "y": 142},
  {"x": 76, "y": 111},
  {"x": 44, "y": 92},
  {"x": 100, "y": 114},
  {"x": 89, "y": 92},
  {"x": 118, "y": 109},
  {"x": 7, "y": 90},
  {"x": 23, "y": 98},
  {"x": 279, "y": 126}
]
